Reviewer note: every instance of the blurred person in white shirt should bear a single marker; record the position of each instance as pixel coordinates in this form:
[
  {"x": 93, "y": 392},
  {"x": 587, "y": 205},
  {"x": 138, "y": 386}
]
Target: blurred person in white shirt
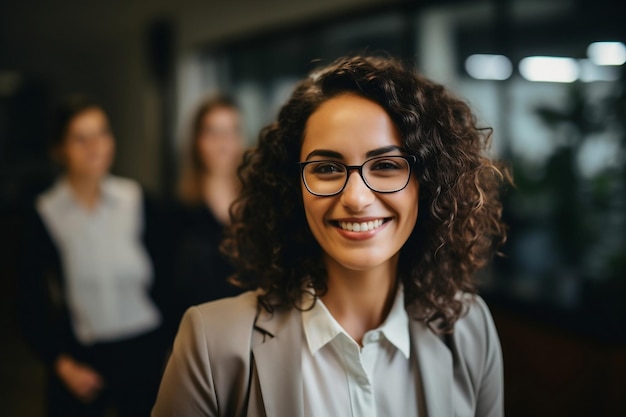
[{"x": 88, "y": 292}]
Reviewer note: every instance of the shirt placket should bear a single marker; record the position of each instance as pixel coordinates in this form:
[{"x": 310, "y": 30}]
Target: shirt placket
[{"x": 360, "y": 385}]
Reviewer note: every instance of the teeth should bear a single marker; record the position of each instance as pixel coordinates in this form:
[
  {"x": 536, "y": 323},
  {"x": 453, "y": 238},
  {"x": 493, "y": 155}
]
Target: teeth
[{"x": 361, "y": 227}]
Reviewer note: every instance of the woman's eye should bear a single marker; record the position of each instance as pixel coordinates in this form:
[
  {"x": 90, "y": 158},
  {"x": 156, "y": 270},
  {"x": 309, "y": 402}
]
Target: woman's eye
[
  {"x": 327, "y": 168},
  {"x": 385, "y": 165}
]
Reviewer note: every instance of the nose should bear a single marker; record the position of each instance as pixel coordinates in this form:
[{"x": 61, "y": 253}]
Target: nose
[{"x": 356, "y": 195}]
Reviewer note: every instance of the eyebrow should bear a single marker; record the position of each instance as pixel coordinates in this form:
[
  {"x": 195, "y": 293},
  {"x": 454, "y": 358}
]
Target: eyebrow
[
  {"x": 333, "y": 154},
  {"x": 382, "y": 151}
]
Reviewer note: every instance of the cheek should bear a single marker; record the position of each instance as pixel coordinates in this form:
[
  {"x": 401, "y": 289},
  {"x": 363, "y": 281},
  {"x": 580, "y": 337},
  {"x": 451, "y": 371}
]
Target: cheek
[
  {"x": 109, "y": 147},
  {"x": 314, "y": 210},
  {"x": 205, "y": 149},
  {"x": 406, "y": 204},
  {"x": 413, "y": 203},
  {"x": 230, "y": 151},
  {"x": 307, "y": 204},
  {"x": 73, "y": 157},
  {"x": 204, "y": 145},
  {"x": 237, "y": 147}
]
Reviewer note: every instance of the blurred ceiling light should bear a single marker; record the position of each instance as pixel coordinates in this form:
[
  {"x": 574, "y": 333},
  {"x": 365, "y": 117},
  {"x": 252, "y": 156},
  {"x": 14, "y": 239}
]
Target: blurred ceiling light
[
  {"x": 607, "y": 53},
  {"x": 488, "y": 67},
  {"x": 549, "y": 69},
  {"x": 590, "y": 72}
]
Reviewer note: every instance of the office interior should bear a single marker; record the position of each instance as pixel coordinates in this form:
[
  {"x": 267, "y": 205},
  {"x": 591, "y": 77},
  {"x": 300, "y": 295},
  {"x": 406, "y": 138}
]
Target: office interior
[{"x": 548, "y": 76}]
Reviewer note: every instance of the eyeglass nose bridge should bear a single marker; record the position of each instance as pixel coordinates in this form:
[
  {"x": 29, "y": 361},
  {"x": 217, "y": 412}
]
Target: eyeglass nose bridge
[{"x": 359, "y": 169}]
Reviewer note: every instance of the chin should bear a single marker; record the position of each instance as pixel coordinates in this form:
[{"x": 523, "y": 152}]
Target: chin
[
  {"x": 360, "y": 263},
  {"x": 94, "y": 174}
]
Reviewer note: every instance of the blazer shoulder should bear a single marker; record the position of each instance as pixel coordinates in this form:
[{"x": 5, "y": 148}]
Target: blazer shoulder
[
  {"x": 208, "y": 371},
  {"x": 223, "y": 327},
  {"x": 225, "y": 317},
  {"x": 475, "y": 329},
  {"x": 477, "y": 316}
]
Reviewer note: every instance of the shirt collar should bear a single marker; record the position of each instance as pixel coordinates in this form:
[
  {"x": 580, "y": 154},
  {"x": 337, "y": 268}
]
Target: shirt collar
[
  {"x": 320, "y": 327},
  {"x": 396, "y": 325},
  {"x": 62, "y": 192}
]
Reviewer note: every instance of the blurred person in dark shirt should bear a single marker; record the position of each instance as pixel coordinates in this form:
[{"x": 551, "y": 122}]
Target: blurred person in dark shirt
[{"x": 208, "y": 186}]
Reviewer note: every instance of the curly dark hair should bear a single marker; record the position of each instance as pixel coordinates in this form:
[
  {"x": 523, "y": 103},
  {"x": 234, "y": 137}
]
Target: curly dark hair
[{"x": 459, "y": 224}]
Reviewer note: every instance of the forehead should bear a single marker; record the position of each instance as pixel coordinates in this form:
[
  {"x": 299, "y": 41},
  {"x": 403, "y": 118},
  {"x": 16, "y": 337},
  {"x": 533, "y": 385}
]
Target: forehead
[
  {"x": 87, "y": 118},
  {"x": 350, "y": 125},
  {"x": 220, "y": 113}
]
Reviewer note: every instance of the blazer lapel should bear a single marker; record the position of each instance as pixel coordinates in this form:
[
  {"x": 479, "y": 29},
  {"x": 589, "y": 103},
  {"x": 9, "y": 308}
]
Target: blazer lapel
[
  {"x": 278, "y": 363},
  {"x": 435, "y": 365}
]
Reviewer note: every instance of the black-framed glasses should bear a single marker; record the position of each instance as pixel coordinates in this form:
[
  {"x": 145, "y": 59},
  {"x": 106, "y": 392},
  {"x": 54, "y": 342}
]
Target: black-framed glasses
[{"x": 383, "y": 174}]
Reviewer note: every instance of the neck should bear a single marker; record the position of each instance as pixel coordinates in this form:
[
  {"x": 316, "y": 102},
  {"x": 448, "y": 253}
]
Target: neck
[
  {"x": 85, "y": 189},
  {"x": 360, "y": 300},
  {"x": 219, "y": 191}
]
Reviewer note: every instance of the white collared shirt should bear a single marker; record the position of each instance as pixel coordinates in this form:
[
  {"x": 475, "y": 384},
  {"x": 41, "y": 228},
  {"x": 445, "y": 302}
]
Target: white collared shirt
[
  {"x": 342, "y": 379},
  {"x": 107, "y": 271}
]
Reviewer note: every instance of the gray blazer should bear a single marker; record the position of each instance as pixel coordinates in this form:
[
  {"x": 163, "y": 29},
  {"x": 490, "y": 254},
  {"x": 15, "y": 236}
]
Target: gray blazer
[{"x": 232, "y": 358}]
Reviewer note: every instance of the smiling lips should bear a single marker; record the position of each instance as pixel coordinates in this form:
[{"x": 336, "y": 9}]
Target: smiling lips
[{"x": 362, "y": 226}]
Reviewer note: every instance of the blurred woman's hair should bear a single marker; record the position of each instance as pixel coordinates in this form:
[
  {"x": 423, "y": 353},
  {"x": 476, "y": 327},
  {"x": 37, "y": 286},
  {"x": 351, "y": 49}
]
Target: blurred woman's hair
[
  {"x": 459, "y": 222},
  {"x": 193, "y": 167}
]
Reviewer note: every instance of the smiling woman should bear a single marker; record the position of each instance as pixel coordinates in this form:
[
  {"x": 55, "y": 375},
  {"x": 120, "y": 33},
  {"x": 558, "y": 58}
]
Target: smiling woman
[{"x": 365, "y": 211}]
